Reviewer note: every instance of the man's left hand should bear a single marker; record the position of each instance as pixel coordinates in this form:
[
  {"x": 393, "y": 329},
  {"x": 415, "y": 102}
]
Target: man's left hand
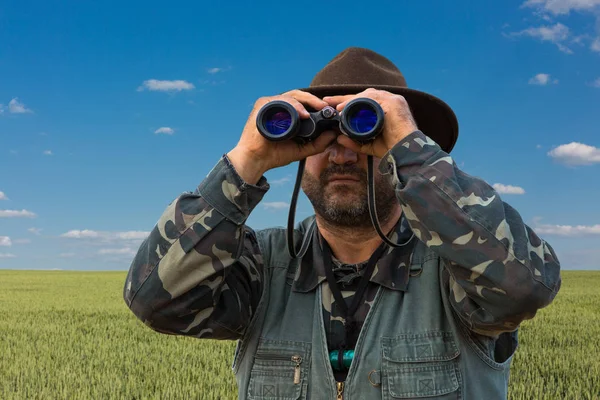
[{"x": 398, "y": 124}]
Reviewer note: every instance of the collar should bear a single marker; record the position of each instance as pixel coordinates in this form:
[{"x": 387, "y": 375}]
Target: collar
[{"x": 391, "y": 271}]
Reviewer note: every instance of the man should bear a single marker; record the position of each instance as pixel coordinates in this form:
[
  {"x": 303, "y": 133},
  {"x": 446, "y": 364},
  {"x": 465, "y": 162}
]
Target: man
[{"x": 437, "y": 317}]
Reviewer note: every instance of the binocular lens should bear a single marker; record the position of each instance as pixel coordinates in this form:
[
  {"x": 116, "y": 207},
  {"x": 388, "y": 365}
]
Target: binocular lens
[
  {"x": 277, "y": 121},
  {"x": 362, "y": 119}
]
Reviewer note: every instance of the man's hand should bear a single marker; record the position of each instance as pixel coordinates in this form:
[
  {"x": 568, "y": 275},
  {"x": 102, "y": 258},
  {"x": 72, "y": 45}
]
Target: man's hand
[
  {"x": 254, "y": 155},
  {"x": 398, "y": 124}
]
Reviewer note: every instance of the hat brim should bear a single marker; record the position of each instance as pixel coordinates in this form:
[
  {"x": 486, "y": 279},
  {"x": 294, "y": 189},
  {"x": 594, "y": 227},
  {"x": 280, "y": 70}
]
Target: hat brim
[{"x": 433, "y": 116}]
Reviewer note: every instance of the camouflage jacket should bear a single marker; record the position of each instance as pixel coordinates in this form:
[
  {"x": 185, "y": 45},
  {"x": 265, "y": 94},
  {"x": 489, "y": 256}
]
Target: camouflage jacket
[{"x": 199, "y": 273}]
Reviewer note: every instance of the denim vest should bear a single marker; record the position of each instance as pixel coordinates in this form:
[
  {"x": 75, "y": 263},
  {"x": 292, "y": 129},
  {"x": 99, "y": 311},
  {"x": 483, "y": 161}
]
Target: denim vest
[{"x": 411, "y": 345}]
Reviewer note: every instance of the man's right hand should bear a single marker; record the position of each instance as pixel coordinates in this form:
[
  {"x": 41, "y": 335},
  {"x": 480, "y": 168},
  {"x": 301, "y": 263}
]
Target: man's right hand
[{"x": 254, "y": 155}]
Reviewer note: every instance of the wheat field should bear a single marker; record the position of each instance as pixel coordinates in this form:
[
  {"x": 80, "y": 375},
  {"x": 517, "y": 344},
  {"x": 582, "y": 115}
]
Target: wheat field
[{"x": 69, "y": 335}]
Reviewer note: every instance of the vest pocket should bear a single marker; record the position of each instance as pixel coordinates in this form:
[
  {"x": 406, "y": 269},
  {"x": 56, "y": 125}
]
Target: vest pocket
[
  {"x": 420, "y": 365},
  {"x": 280, "y": 370}
]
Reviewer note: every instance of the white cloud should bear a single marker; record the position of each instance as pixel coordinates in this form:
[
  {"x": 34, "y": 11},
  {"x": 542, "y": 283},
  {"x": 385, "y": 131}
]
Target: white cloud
[
  {"x": 7, "y": 255},
  {"x": 131, "y": 235},
  {"x": 276, "y": 205},
  {"x": 77, "y": 234},
  {"x": 124, "y": 251},
  {"x": 579, "y": 39},
  {"x": 15, "y": 107},
  {"x": 105, "y": 236},
  {"x": 567, "y": 230},
  {"x": 48, "y": 152},
  {"x": 6, "y": 241},
  {"x": 1, "y": 109},
  {"x": 539, "y": 146},
  {"x": 596, "y": 83},
  {"x": 165, "y": 86},
  {"x": 542, "y": 79},
  {"x": 216, "y": 70},
  {"x": 166, "y": 130},
  {"x": 66, "y": 255},
  {"x": 557, "y": 34},
  {"x": 279, "y": 182},
  {"x": 16, "y": 214},
  {"x": 3, "y": 196},
  {"x": 561, "y": 7},
  {"x": 576, "y": 153},
  {"x": 546, "y": 18},
  {"x": 508, "y": 189},
  {"x": 35, "y": 231}
]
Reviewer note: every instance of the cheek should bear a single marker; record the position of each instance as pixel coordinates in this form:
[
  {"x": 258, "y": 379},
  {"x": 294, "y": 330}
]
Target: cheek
[
  {"x": 315, "y": 164},
  {"x": 362, "y": 162},
  {"x": 310, "y": 183}
]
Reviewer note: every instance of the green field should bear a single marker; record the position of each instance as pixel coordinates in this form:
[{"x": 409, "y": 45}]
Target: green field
[{"x": 69, "y": 335}]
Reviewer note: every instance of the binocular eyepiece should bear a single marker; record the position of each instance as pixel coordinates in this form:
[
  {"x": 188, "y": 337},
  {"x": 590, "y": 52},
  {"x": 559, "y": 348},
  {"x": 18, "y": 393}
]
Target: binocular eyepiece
[{"x": 361, "y": 120}]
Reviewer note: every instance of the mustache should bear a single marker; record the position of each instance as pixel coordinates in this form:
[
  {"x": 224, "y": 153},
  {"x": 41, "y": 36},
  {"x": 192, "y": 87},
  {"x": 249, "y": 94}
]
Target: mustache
[{"x": 336, "y": 169}]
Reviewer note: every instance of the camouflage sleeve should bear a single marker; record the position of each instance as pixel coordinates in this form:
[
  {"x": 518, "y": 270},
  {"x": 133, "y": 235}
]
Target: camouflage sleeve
[
  {"x": 501, "y": 271},
  {"x": 200, "y": 272}
]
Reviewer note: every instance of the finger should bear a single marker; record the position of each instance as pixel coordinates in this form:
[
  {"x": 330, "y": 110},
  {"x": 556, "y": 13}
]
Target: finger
[
  {"x": 348, "y": 143},
  {"x": 319, "y": 144},
  {"x": 298, "y": 106},
  {"x": 333, "y": 101},
  {"x": 308, "y": 99},
  {"x": 355, "y": 146},
  {"x": 341, "y": 106},
  {"x": 368, "y": 93}
]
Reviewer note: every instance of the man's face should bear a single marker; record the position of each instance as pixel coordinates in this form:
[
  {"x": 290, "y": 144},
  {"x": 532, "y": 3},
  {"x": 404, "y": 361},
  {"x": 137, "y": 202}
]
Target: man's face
[{"x": 335, "y": 182}]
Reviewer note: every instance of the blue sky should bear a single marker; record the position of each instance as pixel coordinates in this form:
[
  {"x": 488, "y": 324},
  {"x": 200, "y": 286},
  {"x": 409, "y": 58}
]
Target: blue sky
[{"x": 110, "y": 110}]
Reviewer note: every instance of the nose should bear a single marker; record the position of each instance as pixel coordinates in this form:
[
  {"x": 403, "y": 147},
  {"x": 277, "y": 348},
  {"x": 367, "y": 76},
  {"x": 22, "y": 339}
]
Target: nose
[{"x": 341, "y": 155}]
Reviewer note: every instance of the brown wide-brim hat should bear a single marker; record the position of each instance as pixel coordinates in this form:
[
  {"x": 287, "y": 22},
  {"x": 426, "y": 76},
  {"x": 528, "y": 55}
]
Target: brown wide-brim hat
[{"x": 356, "y": 69}]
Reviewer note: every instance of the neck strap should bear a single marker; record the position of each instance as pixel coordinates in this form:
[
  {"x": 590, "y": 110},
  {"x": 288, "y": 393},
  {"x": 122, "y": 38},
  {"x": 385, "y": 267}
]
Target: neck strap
[{"x": 348, "y": 312}]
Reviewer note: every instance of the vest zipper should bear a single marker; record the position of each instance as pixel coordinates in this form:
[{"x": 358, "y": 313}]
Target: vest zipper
[
  {"x": 295, "y": 358},
  {"x": 298, "y": 361},
  {"x": 340, "y": 390}
]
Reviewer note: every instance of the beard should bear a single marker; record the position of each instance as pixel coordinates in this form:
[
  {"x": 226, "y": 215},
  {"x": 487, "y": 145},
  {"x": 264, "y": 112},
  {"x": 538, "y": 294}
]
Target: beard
[{"x": 346, "y": 205}]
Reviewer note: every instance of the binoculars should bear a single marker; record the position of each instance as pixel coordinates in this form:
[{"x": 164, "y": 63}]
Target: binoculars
[{"x": 361, "y": 120}]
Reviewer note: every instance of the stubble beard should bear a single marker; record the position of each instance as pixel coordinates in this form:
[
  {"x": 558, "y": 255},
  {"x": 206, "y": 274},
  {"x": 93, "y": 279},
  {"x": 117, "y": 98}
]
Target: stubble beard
[{"x": 346, "y": 205}]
